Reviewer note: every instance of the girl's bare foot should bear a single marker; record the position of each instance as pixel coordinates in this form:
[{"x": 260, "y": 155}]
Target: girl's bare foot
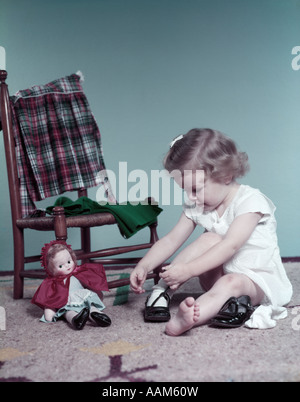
[{"x": 186, "y": 317}]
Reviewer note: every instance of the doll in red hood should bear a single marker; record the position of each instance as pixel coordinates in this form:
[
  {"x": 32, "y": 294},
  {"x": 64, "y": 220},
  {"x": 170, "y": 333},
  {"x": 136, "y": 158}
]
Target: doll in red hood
[{"x": 69, "y": 290}]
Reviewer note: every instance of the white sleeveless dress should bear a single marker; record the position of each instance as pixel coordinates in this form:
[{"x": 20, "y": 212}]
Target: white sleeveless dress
[{"x": 259, "y": 258}]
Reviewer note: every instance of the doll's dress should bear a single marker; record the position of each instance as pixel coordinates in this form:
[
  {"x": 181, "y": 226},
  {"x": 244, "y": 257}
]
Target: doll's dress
[{"x": 79, "y": 298}]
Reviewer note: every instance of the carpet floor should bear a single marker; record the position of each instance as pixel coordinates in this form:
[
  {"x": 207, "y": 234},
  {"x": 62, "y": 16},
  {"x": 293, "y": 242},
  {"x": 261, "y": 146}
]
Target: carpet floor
[{"x": 131, "y": 350}]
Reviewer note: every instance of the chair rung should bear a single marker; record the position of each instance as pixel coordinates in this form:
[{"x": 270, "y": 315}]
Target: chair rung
[
  {"x": 125, "y": 281},
  {"x": 113, "y": 251},
  {"x": 40, "y": 274},
  {"x": 33, "y": 273}
]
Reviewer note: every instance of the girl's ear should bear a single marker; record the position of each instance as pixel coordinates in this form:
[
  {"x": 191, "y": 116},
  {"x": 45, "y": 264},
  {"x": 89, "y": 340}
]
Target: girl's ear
[{"x": 228, "y": 179}]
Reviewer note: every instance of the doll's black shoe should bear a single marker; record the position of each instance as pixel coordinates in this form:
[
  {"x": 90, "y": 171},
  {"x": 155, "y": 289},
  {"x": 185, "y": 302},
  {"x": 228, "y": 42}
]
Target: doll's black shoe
[
  {"x": 234, "y": 313},
  {"x": 158, "y": 313},
  {"x": 101, "y": 319},
  {"x": 79, "y": 321}
]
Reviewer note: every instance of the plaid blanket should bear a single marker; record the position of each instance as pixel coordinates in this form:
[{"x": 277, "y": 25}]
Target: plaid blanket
[{"x": 58, "y": 143}]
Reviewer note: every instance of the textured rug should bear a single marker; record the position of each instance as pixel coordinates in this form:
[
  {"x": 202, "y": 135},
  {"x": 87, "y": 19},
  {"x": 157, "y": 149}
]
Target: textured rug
[{"x": 131, "y": 350}]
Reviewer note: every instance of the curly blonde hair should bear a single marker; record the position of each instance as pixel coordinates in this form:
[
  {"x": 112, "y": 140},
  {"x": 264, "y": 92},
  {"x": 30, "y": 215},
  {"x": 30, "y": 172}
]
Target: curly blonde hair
[{"x": 208, "y": 150}]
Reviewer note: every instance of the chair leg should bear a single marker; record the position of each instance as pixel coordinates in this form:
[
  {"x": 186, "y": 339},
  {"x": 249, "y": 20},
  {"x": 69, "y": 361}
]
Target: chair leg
[
  {"x": 18, "y": 263},
  {"x": 85, "y": 234},
  {"x": 60, "y": 225},
  {"x": 157, "y": 272},
  {"x": 153, "y": 233},
  {"x": 153, "y": 239}
]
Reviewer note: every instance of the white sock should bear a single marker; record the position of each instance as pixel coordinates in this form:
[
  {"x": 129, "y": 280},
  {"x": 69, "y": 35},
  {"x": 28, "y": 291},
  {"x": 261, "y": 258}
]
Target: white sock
[
  {"x": 156, "y": 291},
  {"x": 69, "y": 315}
]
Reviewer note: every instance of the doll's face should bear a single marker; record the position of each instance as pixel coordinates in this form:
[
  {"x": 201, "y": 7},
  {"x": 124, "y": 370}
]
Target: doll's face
[{"x": 62, "y": 263}]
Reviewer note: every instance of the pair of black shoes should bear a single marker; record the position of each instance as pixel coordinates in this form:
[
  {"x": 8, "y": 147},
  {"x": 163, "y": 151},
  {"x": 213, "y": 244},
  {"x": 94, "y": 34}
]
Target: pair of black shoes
[
  {"x": 100, "y": 319},
  {"x": 234, "y": 313}
]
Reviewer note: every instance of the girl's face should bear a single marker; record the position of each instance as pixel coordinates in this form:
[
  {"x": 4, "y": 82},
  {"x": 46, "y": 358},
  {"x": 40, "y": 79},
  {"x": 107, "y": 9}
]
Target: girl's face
[
  {"x": 62, "y": 263},
  {"x": 206, "y": 193}
]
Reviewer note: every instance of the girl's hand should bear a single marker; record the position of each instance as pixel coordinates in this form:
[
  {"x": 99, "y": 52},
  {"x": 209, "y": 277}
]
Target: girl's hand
[
  {"x": 175, "y": 275},
  {"x": 137, "y": 279}
]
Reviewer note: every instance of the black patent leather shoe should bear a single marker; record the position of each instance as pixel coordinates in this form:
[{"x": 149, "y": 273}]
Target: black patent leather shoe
[
  {"x": 158, "y": 313},
  {"x": 79, "y": 321},
  {"x": 100, "y": 319},
  {"x": 234, "y": 313}
]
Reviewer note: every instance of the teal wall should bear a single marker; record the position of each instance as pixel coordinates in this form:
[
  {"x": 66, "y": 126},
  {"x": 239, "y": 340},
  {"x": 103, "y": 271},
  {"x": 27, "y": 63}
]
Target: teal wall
[{"x": 156, "y": 68}]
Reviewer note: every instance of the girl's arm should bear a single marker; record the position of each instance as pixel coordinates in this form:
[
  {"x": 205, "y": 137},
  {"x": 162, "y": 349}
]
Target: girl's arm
[
  {"x": 238, "y": 233},
  {"x": 161, "y": 251}
]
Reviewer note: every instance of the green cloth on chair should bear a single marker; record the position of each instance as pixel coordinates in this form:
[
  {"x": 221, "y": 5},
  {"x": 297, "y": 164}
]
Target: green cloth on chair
[{"x": 130, "y": 218}]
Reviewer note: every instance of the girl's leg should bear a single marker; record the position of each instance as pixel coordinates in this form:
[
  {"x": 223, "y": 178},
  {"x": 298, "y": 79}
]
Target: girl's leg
[{"x": 197, "y": 312}]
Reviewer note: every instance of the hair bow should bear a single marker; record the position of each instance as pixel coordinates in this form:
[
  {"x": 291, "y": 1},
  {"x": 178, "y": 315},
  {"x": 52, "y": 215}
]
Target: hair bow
[{"x": 175, "y": 140}]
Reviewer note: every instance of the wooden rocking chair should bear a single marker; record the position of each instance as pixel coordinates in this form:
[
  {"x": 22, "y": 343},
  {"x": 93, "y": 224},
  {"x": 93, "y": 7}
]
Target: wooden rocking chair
[{"x": 59, "y": 223}]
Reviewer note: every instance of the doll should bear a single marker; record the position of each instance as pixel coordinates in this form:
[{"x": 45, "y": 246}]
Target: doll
[{"x": 69, "y": 290}]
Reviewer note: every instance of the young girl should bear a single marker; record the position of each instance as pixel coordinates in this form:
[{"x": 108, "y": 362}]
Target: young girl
[
  {"x": 69, "y": 290},
  {"x": 236, "y": 258}
]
